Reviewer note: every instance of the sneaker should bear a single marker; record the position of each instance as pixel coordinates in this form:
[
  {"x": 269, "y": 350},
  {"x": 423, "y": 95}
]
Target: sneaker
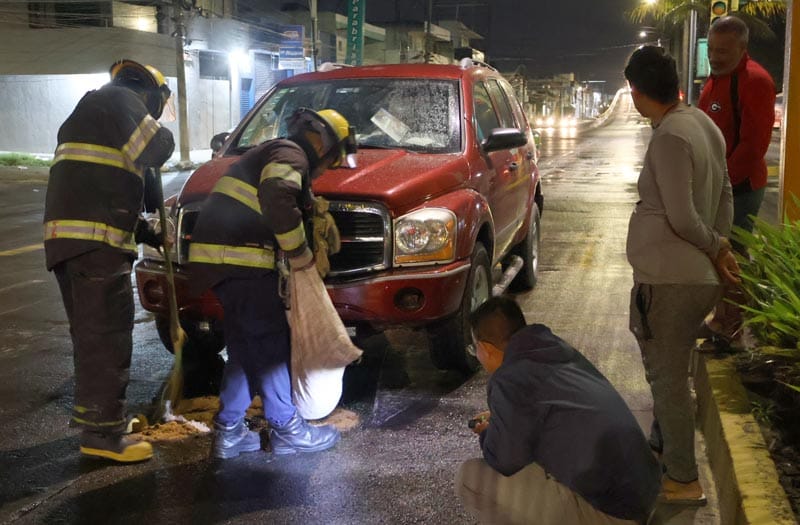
[
  {"x": 297, "y": 435},
  {"x": 114, "y": 447},
  {"x": 677, "y": 493},
  {"x": 230, "y": 441}
]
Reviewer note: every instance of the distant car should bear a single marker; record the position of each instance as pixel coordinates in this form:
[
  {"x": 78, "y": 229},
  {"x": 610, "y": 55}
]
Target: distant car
[
  {"x": 778, "y": 111},
  {"x": 446, "y": 191}
]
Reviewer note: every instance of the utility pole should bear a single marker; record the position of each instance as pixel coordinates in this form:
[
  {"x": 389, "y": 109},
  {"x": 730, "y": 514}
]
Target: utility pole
[
  {"x": 428, "y": 35},
  {"x": 314, "y": 32},
  {"x": 690, "y": 59},
  {"x": 183, "y": 113}
]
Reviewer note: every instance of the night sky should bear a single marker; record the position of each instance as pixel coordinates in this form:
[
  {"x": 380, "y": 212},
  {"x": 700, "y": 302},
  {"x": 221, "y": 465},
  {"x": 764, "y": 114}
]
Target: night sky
[{"x": 590, "y": 38}]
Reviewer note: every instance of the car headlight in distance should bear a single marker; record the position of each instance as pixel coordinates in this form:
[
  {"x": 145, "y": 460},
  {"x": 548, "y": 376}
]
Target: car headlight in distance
[
  {"x": 148, "y": 252},
  {"x": 425, "y": 236}
]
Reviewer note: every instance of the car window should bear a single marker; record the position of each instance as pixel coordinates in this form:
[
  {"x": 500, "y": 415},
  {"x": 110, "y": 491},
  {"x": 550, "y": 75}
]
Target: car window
[
  {"x": 516, "y": 106},
  {"x": 385, "y": 112},
  {"x": 501, "y": 105},
  {"x": 484, "y": 115}
]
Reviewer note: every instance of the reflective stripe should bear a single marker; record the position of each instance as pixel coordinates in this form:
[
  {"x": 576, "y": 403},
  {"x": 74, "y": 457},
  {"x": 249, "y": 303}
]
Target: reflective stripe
[
  {"x": 98, "y": 425},
  {"x": 95, "y": 154},
  {"x": 275, "y": 170},
  {"x": 292, "y": 239},
  {"x": 234, "y": 255},
  {"x": 240, "y": 191},
  {"x": 89, "y": 231},
  {"x": 140, "y": 137}
]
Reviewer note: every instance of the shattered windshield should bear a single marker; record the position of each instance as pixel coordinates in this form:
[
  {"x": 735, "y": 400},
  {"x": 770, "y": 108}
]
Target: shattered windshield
[{"x": 419, "y": 115}]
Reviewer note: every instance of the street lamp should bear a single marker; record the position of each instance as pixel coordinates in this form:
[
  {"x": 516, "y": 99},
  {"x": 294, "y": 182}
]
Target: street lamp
[{"x": 646, "y": 30}]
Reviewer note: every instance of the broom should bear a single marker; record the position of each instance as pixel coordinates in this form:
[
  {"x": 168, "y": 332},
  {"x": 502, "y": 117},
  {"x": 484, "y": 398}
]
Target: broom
[{"x": 173, "y": 390}]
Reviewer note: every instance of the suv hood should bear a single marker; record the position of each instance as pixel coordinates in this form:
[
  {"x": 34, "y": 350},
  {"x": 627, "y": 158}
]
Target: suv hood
[{"x": 397, "y": 178}]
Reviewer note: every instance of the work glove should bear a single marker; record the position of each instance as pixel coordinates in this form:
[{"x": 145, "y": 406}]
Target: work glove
[
  {"x": 327, "y": 240},
  {"x": 144, "y": 234}
]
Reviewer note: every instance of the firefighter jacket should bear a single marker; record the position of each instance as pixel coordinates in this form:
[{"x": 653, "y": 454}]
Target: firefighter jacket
[
  {"x": 94, "y": 195},
  {"x": 255, "y": 209}
]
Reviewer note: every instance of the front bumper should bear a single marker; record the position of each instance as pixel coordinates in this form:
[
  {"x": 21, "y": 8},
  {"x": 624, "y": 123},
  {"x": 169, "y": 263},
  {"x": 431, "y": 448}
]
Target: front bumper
[{"x": 408, "y": 296}]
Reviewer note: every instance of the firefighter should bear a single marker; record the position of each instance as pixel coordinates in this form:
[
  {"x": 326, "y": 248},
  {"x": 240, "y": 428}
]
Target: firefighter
[
  {"x": 256, "y": 213},
  {"x": 91, "y": 226}
]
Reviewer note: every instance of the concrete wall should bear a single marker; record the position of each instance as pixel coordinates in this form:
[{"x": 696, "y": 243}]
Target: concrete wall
[{"x": 34, "y": 106}]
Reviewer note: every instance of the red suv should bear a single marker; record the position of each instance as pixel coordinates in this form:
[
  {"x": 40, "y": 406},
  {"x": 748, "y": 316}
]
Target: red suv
[{"x": 444, "y": 204}]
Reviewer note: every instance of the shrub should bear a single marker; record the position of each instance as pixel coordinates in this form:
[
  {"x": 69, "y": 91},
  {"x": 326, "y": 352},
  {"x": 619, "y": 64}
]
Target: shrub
[{"x": 771, "y": 280}]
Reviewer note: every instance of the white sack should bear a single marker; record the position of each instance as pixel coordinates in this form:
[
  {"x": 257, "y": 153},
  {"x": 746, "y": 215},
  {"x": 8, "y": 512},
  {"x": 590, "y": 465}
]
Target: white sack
[{"x": 321, "y": 348}]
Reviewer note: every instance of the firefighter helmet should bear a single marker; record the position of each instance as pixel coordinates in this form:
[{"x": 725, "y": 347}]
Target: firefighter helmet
[
  {"x": 337, "y": 137},
  {"x": 144, "y": 79}
]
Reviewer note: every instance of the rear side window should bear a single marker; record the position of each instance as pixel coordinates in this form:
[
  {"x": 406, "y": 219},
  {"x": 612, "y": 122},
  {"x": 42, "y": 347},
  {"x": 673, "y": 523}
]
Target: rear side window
[
  {"x": 484, "y": 116},
  {"x": 516, "y": 106},
  {"x": 501, "y": 104}
]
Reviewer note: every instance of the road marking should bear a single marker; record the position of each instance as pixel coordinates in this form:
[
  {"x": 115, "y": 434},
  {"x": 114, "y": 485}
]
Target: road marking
[
  {"x": 23, "y": 249},
  {"x": 18, "y": 308},
  {"x": 19, "y": 285}
]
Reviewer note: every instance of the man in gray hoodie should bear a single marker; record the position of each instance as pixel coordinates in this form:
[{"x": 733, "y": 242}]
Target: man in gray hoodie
[{"x": 560, "y": 446}]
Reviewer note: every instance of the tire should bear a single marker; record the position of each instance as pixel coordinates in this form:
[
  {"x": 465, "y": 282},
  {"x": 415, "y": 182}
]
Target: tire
[
  {"x": 450, "y": 342},
  {"x": 202, "y": 364},
  {"x": 529, "y": 250},
  {"x": 198, "y": 343}
]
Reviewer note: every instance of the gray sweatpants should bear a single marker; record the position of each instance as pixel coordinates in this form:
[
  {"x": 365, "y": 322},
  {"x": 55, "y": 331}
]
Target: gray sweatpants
[{"x": 665, "y": 319}]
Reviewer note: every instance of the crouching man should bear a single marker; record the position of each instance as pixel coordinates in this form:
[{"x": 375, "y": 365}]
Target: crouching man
[{"x": 559, "y": 443}]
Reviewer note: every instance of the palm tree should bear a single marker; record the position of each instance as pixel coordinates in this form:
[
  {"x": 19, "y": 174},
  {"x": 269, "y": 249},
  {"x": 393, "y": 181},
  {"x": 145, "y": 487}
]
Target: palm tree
[{"x": 670, "y": 15}]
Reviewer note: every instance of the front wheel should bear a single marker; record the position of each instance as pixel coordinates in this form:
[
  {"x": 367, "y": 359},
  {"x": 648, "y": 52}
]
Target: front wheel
[
  {"x": 528, "y": 249},
  {"x": 450, "y": 341}
]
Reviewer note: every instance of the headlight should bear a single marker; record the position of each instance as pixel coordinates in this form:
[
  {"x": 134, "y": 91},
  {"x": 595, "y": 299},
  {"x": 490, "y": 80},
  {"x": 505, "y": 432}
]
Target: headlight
[
  {"x": 148, "y": 252},
  {"x": 423, "y": 236}
]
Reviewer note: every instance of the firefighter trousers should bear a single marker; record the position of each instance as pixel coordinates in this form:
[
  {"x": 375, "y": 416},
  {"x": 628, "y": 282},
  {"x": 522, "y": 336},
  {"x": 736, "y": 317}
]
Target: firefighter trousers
[
  {"x": 259, "y": 350},
  {"x": 98, "y": 298}
]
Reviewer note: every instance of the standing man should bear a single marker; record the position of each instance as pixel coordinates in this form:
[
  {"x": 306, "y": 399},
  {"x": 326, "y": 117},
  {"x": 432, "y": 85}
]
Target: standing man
[
  {"x": 560, "y": 446},
  {"x": 91, "y": 227},
  {"x": 678, "y": 249},
  {"x": 739, "y": 96},
  {"x": 256, "y": 210}
]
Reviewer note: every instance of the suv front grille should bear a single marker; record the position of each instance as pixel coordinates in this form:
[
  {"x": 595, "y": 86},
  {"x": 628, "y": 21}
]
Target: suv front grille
[{"x": 365, "y": 230}]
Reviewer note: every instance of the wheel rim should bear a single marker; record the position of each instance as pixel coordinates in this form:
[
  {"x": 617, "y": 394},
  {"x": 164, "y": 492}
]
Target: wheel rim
[
  {"x": 480, "y": 289},
  {"x": 534, "y": 245},
  {"x": 480, "y": 294}
]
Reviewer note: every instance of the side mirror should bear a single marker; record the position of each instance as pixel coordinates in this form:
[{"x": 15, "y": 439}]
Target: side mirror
[
  {"x": 504, "y": 138},
  {"x": 218, "y": 140}
]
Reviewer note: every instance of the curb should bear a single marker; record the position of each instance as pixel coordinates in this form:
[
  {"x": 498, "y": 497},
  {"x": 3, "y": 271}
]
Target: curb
[{"x": 746, "y": 478}]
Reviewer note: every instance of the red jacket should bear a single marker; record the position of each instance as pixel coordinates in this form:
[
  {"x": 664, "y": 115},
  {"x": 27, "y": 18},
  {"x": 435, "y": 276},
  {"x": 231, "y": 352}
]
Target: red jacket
[{"x": 756, "y": 91}]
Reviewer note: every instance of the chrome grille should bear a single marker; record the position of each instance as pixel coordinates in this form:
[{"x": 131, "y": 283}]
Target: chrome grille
[{"x": 365, "y": 229}]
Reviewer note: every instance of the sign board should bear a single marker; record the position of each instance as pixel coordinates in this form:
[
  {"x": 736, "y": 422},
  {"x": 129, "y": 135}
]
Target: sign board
[
  {"x": 355, "y": 32},
  {"x": 703, "y": 68},
  {"x": 290, "y": 50}
]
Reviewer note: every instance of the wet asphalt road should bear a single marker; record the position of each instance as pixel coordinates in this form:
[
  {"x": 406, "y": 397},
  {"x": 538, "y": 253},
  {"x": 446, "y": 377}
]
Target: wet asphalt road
[{"x": 397, "y": 466}]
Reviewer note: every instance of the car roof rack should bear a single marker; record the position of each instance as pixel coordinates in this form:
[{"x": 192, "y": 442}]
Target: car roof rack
[
  {"x": 468, "y": 62},
  {"x": 330, "y": 66}
]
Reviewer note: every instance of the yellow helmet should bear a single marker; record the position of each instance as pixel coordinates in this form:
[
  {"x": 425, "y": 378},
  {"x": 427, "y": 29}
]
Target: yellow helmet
[
  {"x": 332, "y": 127},
  {"x": 144, "y": 79}
]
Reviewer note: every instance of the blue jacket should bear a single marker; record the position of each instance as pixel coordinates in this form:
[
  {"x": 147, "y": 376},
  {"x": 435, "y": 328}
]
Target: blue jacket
[{"x": 551, "y": 406}]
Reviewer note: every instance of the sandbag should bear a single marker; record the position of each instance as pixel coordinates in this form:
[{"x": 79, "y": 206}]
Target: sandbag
[{"x": 321, "y": 348}]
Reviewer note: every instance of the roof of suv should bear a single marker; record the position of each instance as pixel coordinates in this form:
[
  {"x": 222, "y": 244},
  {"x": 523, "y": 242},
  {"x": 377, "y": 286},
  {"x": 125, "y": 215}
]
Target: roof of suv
[{"x": 454, "y": 71}]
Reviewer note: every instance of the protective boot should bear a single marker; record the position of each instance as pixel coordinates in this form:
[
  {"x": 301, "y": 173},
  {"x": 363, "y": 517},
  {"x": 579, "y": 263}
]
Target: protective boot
[
  {"x": 114, "y": 447},
  {"x": 231, "y": 441},
  {"x": 298, "y": 436}
]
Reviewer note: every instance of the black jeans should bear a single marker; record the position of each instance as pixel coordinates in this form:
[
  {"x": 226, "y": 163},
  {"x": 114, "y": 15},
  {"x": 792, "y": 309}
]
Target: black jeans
[{"x": 98, "y": 297}]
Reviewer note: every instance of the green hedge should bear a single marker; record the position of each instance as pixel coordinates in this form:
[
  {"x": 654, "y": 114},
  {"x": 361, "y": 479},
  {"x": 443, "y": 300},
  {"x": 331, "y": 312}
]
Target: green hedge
[{"x": 771, "y": 279}]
